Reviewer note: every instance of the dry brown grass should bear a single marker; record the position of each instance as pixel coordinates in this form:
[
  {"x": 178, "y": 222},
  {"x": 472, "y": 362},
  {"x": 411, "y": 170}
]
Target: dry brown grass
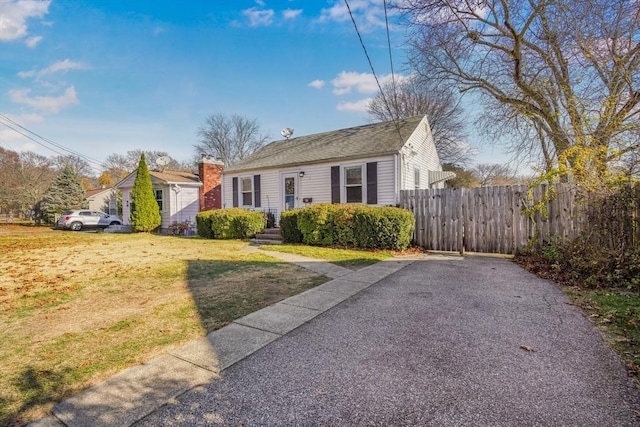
[{"x": 78, "y": 307}]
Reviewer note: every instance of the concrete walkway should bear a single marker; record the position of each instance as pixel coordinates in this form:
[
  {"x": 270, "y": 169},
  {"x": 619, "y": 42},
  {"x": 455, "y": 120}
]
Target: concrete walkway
[{"x": 138, "y": 391}]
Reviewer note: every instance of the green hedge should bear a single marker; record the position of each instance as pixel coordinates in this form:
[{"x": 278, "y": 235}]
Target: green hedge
[
  {"x": 203, "y": 224},
  {"x": 232, "y": 223},
  {"x": 349, "y": 225},
  {"x": 316, "y": 224},
  {"x": 289, "y": 227},
  {"x": 383, "y": 228}
]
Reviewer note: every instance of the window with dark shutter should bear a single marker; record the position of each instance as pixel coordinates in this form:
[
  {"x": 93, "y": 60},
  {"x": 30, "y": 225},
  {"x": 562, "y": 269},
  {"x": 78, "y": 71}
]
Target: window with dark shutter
[
  {"x": 234, "y": 185},
  {"x": 335, "y": 184},
  {"x": 372, "y": 183}
]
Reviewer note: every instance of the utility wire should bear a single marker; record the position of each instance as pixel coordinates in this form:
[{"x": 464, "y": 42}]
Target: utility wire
[
  {"x": 384, "y": 98},
  {"x": 48, "y": 141},
  {"x": 393, "y": 78}
]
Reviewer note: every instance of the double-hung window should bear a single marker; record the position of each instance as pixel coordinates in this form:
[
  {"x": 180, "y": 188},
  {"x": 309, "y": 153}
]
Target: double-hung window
[
  {"x": 353, "y": 184},
  {"x": 159, "y": 198},
  {"x": 416, "y": 178},
  {"x": 246, "y": 188}
]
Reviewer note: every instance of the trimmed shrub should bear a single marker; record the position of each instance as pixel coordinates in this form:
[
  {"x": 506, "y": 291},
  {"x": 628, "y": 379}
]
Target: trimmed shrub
[
  {"x": 203, "y": 224},
  {"x": 246, "y": 224},
  {"x": 316, "y": 224},
  {"x": 343, "y": 225},
  {"x": 349, "y": 225},
  {"x": 232, "y": 223},
  {"x": 383, "y": 227},
  {"x": 289, "y": 226}
]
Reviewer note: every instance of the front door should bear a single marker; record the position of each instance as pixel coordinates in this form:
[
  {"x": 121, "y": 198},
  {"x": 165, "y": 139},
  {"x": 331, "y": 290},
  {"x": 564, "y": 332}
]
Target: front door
[{"x": 290, "y": 189}]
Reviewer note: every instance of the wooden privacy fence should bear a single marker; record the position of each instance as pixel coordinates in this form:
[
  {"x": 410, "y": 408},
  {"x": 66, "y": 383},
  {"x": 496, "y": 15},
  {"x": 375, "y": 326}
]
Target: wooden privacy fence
[{"x": 495, "y": 219}]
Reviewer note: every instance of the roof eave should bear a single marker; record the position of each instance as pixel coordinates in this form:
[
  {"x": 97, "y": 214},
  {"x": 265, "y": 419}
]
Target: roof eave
[{"x": 294, "y": 164}]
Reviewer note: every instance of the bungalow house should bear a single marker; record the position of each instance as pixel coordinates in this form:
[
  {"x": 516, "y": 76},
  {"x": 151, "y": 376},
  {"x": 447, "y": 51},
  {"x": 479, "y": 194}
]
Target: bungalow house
[
  {"x": 102, "y": 199},
  {"x": 367, "y": 164},
  {"x": 180, "y": 195}
]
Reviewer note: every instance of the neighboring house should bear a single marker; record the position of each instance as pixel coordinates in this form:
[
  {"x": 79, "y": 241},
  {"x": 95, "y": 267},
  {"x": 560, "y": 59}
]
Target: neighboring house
[
  {"x": 367, "y": 164},
  {"x": 103, "y": 199},
  {"x": 180, "y": 195}
]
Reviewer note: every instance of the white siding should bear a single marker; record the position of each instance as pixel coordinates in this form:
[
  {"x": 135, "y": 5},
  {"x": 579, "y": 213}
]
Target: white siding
[
  {"x": 177, "y": 206},
  {"x": 315, "y": 184},
  {"x": 183, "y": 204},
  {"x": 126, "y": 208},
  {"x": 419, "y": 152}
]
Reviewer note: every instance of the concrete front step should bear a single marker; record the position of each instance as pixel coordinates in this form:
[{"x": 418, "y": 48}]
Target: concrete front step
[{"x": 268, "y": 235}]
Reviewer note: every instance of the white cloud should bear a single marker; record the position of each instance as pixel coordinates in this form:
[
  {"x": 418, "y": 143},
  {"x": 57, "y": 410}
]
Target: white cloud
[
  {"x": 259, "y": 17},
  {"x": 157, "y": 31},
  {"x": 56, "y": 67},
  {"x": 346, "y": 81},
  {"x": 354, "y": 107},
  {"x": 368, "y": 14},
  {"x": 260, "y": 3},
  {"x": 13, "y": 20},
  {"x": 318, "y": 84},
  {"x": 33, "y": 41},
  {"x": 51, "y": 104},
  {"x": 291, "y": 13}
]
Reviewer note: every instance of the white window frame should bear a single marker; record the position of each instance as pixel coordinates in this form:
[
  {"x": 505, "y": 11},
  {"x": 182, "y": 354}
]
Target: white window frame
[
  {"x": 162, "y": 202},
  {"x": 243, "y": 192},
  {"x": 362, "y": 185},
  {"x": 416, "y": 178}
]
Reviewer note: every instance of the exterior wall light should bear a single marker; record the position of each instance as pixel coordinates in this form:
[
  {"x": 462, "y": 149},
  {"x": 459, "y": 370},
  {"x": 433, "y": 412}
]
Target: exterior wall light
[{"x": 301, "y": 174}]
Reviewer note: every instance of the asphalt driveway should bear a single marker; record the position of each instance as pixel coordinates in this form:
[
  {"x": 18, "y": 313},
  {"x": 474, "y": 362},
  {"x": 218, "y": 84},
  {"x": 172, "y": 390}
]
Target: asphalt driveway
[{"x": 443, "y": 342}]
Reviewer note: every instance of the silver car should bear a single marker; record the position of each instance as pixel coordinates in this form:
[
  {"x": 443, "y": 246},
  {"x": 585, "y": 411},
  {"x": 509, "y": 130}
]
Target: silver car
[{"x": 83, "y": 218}]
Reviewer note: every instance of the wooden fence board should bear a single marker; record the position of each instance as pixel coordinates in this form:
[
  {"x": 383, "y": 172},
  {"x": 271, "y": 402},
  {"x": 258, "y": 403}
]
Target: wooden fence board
[{"x": 492, "y": 219}]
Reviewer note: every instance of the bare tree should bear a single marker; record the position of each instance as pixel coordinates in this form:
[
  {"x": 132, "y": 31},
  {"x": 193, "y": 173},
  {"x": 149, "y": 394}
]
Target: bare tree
[
  {"x": 78, "y": 165},
  {"x": 564, "y": 73},
  {"x": 25, "y": 177},
  {"x": 415, "y": 96},
  {"x": 229, "y": 138},
  {"x": 494, "y": 174},
  {"x": 118, "y": 166}
]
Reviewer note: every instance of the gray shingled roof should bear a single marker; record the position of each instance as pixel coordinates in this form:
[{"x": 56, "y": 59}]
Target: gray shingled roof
[
  {"x": 353, "y": 143},
  {"x": 176, "y": 177}
]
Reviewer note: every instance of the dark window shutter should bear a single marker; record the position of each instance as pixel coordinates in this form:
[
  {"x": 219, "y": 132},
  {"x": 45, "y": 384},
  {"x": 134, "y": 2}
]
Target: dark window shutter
[
  {"x": 335, "y": 184},
  {"x": 256, "y": 191},
  {"x": 372, "y": 183},
  {"x": 235, "y": 191}
]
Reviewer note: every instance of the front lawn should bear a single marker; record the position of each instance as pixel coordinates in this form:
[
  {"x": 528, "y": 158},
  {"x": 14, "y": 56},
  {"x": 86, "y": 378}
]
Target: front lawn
[{"x": 77, "y": 308}]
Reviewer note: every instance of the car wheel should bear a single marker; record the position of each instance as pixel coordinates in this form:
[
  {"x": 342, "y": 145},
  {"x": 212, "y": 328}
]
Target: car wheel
[
  {"x": 76, "y": 226},
  {"x": 114, "y": 223}
]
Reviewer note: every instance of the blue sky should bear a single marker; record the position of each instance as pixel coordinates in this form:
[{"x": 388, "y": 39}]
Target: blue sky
[{"x": 108, "y": 76}]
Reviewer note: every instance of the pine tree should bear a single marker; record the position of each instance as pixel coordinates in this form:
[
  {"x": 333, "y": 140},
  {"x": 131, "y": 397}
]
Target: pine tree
[
  {"x": 145, "y": 212},
  {"x": 65, "y": 193}
]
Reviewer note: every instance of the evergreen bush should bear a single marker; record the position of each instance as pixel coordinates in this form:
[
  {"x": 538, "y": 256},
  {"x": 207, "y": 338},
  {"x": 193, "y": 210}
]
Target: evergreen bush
[
  {"x": 230, "y": 223},
  {"x": 145, "y": 212},
  {"x": 316, "y": 224},
  {"x": 203, "y": 224},
  {"x": 65, "y": 193},
  {"x": 289, "y": 226},
  {"x": 350, "y": 225},
  {"x": 383, "y": 227}
]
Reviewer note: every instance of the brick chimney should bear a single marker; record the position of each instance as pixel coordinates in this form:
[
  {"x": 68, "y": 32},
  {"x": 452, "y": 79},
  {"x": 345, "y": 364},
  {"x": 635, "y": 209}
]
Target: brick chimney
[{"x": 210, "y": 172}]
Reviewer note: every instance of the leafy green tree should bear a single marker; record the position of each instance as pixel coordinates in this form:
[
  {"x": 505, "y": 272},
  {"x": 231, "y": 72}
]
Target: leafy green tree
[
  {"x": 65, "y": 193},
  {"x": 145, "y": 212}
]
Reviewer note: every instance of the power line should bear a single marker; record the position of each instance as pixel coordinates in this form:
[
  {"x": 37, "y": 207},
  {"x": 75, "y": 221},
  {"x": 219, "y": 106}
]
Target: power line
[
  {"x": 393, "y": 78},
  {"x": 21, "y": 128},
  {"x": 384, "y": 98}
]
